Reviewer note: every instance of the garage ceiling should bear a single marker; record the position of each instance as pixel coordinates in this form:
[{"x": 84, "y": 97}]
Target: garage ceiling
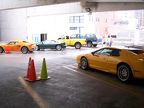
[{"x": 87, "y": 5}]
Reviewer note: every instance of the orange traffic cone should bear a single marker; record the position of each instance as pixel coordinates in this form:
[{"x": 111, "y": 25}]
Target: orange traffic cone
[
  {"x": 31, "y": 74},
  {"x": 44, "y": 73},
  {"x": 28, "y": 69},
  {"x": 7, "y": 51}
]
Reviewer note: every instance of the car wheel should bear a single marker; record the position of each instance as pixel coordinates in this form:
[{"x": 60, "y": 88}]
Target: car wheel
[
  {"x": 124, "y": 73},
  {"x": 1, "y": 50},
  {"x": 59, "y": 47},
  {"x": 37, "y": 48},
  {"x": 24, "y": 50},
  {"x": 95, "y": 45},
  {"x": 84, "y": 63},
  {"x": 77, "y": 45},
  {"x": 89, "y": 44}
]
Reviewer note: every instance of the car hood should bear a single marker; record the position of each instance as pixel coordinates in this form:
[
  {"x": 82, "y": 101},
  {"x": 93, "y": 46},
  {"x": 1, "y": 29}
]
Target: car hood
[
  {"x": 38, "y": 43},
  {"x": 86, "y": 55},
  {"x": 3, "y": 44}
]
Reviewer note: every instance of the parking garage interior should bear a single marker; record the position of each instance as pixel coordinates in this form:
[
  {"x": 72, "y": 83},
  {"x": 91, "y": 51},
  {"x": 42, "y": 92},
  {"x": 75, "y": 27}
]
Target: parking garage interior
[{"x": 68, "y": 85}]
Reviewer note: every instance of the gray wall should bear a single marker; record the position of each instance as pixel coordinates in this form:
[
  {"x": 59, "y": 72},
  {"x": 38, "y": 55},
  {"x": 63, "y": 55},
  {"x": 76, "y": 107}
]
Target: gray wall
[
  {"x": 0, "y": 27},
  {"x": 13, "y": 25}
]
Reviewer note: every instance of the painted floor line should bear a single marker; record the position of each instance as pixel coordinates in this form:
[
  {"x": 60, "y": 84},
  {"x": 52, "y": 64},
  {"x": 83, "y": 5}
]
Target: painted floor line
[
  {"x": 130, "y": 91},
  {"x": 72, "y": 66},
  {"x": 37, "y": 98},
  {"x": 70, "y": 69}
]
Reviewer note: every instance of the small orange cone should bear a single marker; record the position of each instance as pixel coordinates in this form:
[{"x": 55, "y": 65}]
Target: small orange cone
[
  {"x": 44, "y": 73},
  {"x": 31, "y": 74},
  {"x": 7, "y": 51},
  {"x": 29, "y": 64}
]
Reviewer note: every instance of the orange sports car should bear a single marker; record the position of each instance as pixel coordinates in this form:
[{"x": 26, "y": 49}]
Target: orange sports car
[
  {"x": 126, "y": 63},
  {"x": 16, "y": 46}
]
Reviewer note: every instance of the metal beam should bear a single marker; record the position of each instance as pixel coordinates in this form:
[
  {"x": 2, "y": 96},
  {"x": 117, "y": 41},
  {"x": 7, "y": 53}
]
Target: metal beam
[
  {"x": 114, "y": 0},
  {"x": 94, "y": 5},
  {"x": 13, "y": 4},
  {"x": 110, "y": 6}
]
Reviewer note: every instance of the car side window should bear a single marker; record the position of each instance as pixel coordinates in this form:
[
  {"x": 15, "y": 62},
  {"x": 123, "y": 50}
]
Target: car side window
[
  {"x": 115, "y": 52},
  {"x": 52, "y": 41},
  {"x": 73, "y": 37},
  {"x": 46, "y": 42},
  {"x": 97, "y": 52},
  {"x": 106, "y": 51},
  {"x": 12, "y": 43},
  {"x": 15, "y": 42}
]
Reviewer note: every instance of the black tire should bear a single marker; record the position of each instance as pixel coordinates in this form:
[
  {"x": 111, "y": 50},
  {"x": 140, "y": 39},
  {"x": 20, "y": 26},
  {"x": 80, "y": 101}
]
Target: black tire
[
  {"x": 89, "y": 44},
  {"x": 77, "y": 45},
  {"x": 94, "y": 45},
  {"x": 1, "y": 50},
  {"x": 58, "y": 47},
  {"x": 37, "y": 48},
  {"x": 24, "y": 50},
  {"x": 84, "y": 63},
  {"x": 124, "y": 73}
]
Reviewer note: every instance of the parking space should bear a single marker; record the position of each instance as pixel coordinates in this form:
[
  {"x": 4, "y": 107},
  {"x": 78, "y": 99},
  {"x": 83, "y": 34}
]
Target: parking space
[{"x": 68, "y": 87}]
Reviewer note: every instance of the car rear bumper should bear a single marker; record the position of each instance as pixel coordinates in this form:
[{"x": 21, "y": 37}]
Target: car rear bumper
[
  {"x": 94, "y": 43},
  {"x": 139, "y": 74}
]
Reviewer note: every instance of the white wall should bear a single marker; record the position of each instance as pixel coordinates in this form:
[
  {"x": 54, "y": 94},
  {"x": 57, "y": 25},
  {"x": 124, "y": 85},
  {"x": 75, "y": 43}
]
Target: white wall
[
  {"x": 53, "y": 25},
  {"x": 13, "y": 25}
]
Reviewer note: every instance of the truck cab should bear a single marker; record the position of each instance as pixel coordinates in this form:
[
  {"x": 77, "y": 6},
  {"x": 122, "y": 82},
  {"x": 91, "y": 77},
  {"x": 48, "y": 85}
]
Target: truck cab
[{"x": 74, "y": 40}]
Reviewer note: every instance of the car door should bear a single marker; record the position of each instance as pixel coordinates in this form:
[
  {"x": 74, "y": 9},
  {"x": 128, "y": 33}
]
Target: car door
[
  {"x": 98, "y": 61},
  {"x": 10, "y": 46},
  {"x": 113, "y": 60},
  {"x": 46, "y": 44},
  {"x": 67, "y": 40},
  {"x": 16, "y": 46}
]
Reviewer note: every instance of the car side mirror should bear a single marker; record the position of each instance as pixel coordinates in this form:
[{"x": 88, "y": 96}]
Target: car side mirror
[{"x": 92, "y": 53}]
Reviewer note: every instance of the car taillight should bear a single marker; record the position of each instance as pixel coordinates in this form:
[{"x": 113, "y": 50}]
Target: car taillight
[{"x": 32, "y": 45}]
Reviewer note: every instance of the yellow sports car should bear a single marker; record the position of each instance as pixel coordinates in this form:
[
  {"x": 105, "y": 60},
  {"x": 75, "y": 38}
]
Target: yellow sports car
[
  {"x": 17, "y": 46},
  {"x": 126, "y": 63}
]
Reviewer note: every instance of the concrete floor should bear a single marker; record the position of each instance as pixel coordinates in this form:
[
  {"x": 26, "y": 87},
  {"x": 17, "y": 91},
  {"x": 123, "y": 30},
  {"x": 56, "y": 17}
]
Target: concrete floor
[{"x": 68, "y": 87}]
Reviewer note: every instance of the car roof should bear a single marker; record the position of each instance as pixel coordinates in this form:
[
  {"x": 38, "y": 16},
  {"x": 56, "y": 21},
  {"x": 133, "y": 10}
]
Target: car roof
[
  {"x": 16, "y": 41},
  {"x": 123, "y": 48}
]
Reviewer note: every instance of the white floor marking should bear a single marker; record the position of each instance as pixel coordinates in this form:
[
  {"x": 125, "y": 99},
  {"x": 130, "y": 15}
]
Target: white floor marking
[{"x": 37, "y": 98}]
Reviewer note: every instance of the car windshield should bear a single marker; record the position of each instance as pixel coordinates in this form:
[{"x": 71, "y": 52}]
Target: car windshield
[
  {"x": 49, "y": 42},
  {"x": 12, "y": 42},
  {"x": 77, "y": 36},
  {"x": 105, "y": 51}
]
